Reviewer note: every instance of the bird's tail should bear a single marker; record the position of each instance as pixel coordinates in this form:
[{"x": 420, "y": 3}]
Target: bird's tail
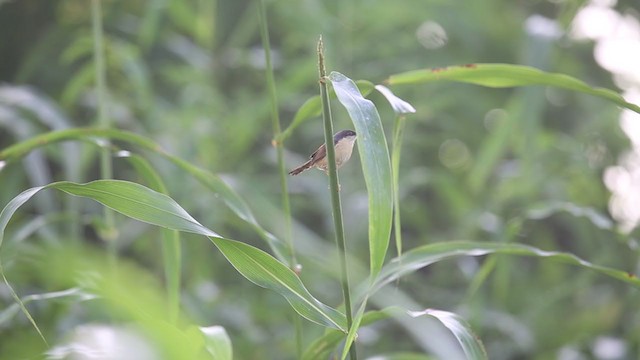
[{"x": 300, "y": 168}]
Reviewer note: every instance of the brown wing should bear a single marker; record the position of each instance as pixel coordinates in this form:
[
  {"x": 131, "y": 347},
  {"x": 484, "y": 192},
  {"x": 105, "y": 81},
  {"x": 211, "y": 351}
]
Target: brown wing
[{"x": 319, "y": 154}]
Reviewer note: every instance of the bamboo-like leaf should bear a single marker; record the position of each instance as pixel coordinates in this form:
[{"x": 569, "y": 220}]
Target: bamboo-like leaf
[
  {"x": 506, "y": 75},
  {"x": 263, "y": 270},
  {"x": 398, "y": 105},
  {"x": 206, "y": 178},
  {"x": 426, "y": 255},
  {"x": 352, "y": 335},
  {"x": 471, "y": 345},
  {"x": 376, "y": 166},
  {"x": 75, "y": 294},
  {"x": 547, "y": 209},
  {"x": 171, "y": 249},
  {"x": 144, "y": 204},
  {"x": 324, "y": 345},
  {"x": 217, "y": 342}
]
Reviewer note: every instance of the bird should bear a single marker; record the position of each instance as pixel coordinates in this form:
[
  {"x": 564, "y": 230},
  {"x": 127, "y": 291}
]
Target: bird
[{"x": 343, "y": 142}]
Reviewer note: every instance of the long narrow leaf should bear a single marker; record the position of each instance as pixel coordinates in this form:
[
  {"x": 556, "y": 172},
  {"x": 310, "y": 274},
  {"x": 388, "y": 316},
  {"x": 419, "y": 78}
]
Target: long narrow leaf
[
  {"x": 471, "y": 345},
  {"x": 171, "y": 246},
  {"x": 263, "y": 270},
  {"x": 144, "y": 204},
  {"x": 506, "y": 75},
  {"x": 324, "y": 345},
  {"x": 217, "y": 342},
  {"x": 426, "y": 255},
  {"x": 376, "y": 165},
  {"x": 206, "y": 178}
]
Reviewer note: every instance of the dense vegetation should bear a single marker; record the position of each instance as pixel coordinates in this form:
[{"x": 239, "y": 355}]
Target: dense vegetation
[{"x": 508, "y": 227}]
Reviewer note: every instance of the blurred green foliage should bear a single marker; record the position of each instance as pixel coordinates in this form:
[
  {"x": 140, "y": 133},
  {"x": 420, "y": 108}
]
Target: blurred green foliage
[{"x": 477, "y": 164}]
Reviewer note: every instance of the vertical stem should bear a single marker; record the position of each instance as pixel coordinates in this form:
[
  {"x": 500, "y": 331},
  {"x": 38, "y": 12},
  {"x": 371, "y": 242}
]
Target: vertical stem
[
  {"x": 275, "y": 119},
  {"x": 106, "y": 168},
  {"x": 334, "y": 189},
  {"x": 398, "y": 130}
]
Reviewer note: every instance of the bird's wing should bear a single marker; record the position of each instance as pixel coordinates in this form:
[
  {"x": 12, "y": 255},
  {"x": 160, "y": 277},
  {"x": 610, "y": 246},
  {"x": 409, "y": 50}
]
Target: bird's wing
[{"x": 320, "y": 153}]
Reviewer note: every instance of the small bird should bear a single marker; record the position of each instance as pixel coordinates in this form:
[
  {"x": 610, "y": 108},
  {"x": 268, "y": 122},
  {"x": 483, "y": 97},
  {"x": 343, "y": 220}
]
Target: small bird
[{"x": 343, "y": 142}]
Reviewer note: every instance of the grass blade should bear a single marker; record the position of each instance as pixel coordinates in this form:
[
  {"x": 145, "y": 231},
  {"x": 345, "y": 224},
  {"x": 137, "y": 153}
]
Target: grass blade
[
  {"x": 217, "y": 342},
  {"x": 206, "y": 178},
  {"x": 144, "y": 204},
  {"x": 429, "y": 254},
  {"x": 471, "y": 345},
  {"x": 506, "y": 75},
  {"x": 376, "y": 165}
]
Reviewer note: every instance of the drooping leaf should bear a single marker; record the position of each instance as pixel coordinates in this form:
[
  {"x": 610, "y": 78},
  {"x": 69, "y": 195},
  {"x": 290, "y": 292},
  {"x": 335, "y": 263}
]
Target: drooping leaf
[
  {"x": 217, "y": 342},
  {"x": 398, "y": 105},
  {"x": 376, "y": 166},
  {"x": 144, "y": 204},
  {"x": 206, "y": 178},
  {"x": 506, "y": 75},
  {"x": 426, "y": 255},
  {"x": 471, "y": 345},
  {"x": 325, "y": 344},
  {"x": 74, "y": 294},
  {"x": 171, "y": 249}
]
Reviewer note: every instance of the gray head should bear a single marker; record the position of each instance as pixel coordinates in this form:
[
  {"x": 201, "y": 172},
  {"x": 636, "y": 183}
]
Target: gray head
[{"x": 343, "y": 134}]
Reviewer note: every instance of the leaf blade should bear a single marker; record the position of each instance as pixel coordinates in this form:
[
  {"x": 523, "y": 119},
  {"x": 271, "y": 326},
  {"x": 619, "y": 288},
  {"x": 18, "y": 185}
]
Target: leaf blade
[
  {"x": 429, "y": 254},
  {"x": 376, "y": 165},
  {"x": 144, "y": 204},
  {"x": 460, "y": 328},
  {"x": 506, "y": 75}
]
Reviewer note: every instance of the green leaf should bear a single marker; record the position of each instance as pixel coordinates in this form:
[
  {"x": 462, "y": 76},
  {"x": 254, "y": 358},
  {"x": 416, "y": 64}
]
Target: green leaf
[
  {"x": 171, "y": 246},
  {"x": 313, "y": 107},
  {"x": 137, "y": 202},
  {"x": 471, "y": 345},
  {"x": 206, "y": 178},
  {"x": 426, "y": 255},
  {"x": 399, "y": 106},
  {"x": 144, "y": 204},
  {"x": 217, "y": 342},
  {"x": 324, "y": 345},
  {"x": 544, "y": 210},
  {"x": 352, "y": 335},
  {"x": 261, "y": 269},
  {"x": 376, "y": 166},
  {"x": 74, "y": 294},
  {"x": 506, "y": 75}
]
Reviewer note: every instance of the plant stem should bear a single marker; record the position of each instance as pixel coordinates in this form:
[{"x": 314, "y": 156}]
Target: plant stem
[
  {"x": 275, "y": 119},
  {"x": 398, "y": 130},
  {"x": 335, "y": 191},
  {"x": 106, "y": 168}
]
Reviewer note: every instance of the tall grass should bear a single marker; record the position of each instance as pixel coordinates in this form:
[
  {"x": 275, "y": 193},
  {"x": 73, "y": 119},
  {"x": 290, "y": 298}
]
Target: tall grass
[{"x": 482, "y": 249}]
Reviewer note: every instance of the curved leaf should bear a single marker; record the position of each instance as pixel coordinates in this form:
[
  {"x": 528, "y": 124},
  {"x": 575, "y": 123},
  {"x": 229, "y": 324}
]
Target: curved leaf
[
  {"x": 217, "y": 342},
  {"x": 398, "y": 105},
  {"x": 144, "y": 204},
  {"x": 376, "y": 165},
  {"x": 325, "y": 344},
  {"x": 506, "y": 75},
  {"x": 471, "y": 345},
  {"x": 206, "y": 178},
  {"x": 426, "y": 255}
]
